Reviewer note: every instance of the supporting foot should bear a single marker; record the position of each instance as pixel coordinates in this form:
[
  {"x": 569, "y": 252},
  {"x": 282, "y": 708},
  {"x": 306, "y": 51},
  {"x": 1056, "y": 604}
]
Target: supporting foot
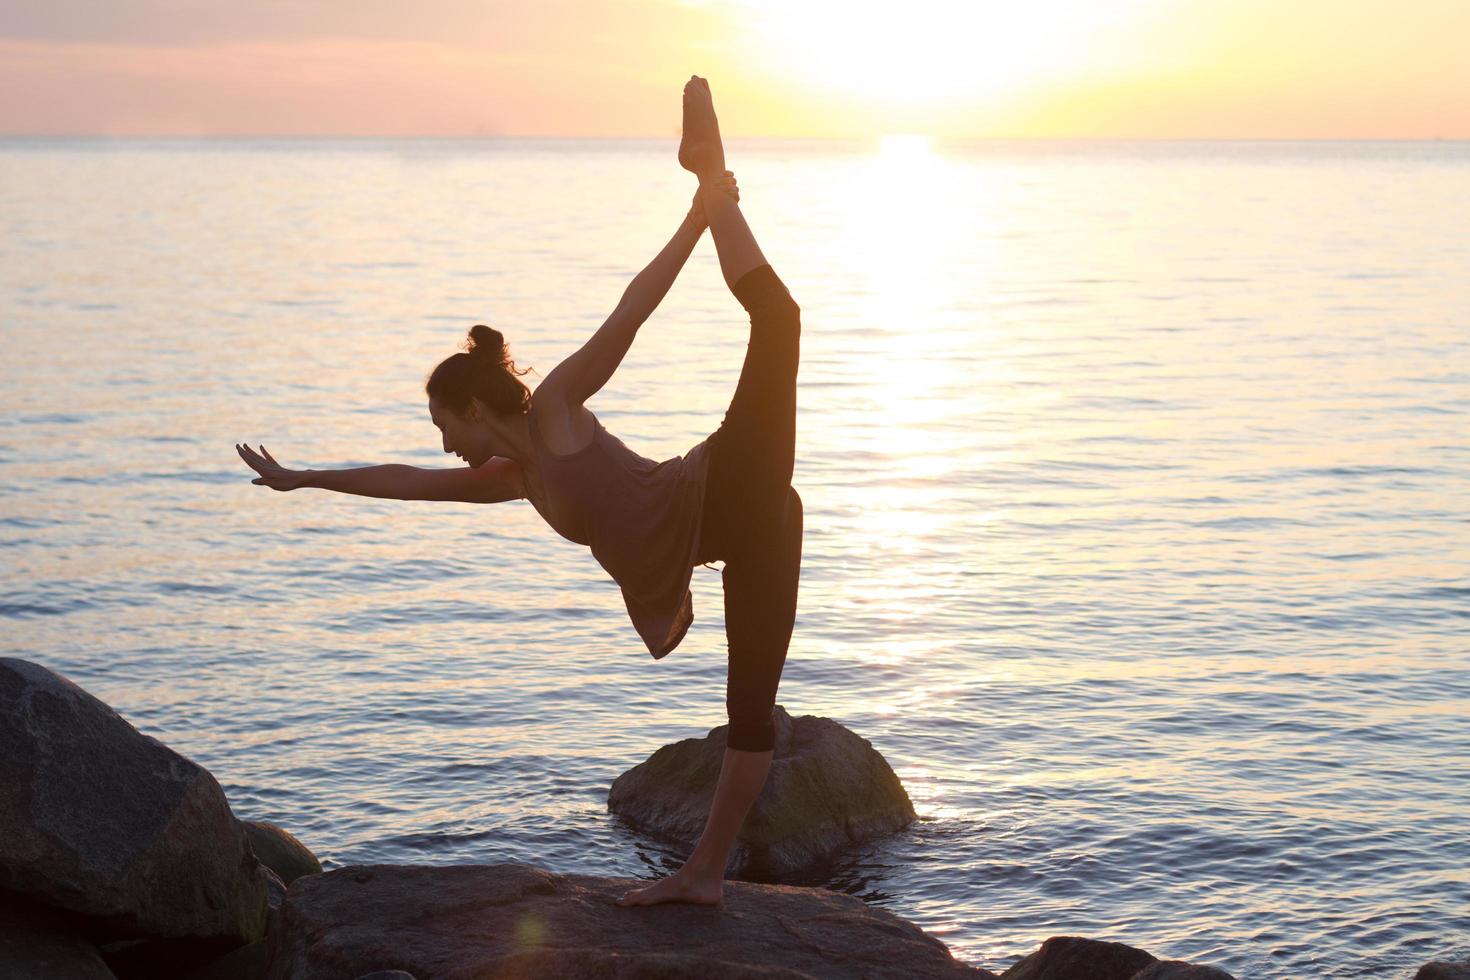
[
  {"x": 678, "y": 887},
  {"x": 700, "y": 150}
]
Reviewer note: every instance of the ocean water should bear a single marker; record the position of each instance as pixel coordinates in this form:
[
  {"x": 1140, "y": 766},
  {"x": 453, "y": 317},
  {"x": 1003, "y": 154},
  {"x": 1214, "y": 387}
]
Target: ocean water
[{"x": 1137, "y": 530}]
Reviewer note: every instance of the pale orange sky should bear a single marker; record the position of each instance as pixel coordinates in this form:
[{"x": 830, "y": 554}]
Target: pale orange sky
[{"x": 822, "y": 68}]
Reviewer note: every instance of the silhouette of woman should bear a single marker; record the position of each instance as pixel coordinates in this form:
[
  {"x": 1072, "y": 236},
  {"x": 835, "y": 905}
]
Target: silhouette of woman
[{"x": 648, "y": 524}]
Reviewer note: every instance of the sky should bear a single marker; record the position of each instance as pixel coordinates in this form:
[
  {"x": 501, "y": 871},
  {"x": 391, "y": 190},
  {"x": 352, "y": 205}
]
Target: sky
[{"x": 949, "y": 69}]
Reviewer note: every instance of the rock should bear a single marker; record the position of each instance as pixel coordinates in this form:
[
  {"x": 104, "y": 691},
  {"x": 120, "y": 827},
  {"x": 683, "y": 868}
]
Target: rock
[
  {"x": 275, "y": 889},
  {"x": 1444, "y": 970},
  {"x": 1180, "y": 970},
  {"x": 38, "y": 944},
  {"x": 249, "y": 962},
  {"x": 280, "y": 851},
  {"x": 387, "y": 975},
  {"x": 102, "y": 820},
  {"x": 828, "y": 788},
  {"x": 1074, "y": 958},
  {"x": 471, "y": 921}
]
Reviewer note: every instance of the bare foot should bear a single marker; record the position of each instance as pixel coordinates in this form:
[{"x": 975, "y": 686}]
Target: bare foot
[
  {"x": 700, "y": 149},
  {"x": 677, "y": 887}
]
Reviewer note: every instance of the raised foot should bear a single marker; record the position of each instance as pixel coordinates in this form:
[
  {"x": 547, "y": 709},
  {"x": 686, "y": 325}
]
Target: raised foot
[
  {"x": 700, "y": 150},
  {"x": 678, "y": 887}
]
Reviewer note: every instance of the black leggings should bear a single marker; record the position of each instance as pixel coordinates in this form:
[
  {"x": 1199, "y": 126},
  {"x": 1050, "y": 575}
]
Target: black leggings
[{"x": 752, "y": 515}]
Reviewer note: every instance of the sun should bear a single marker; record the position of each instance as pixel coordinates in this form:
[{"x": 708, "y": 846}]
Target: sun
[{"x": 926, "y": 53}]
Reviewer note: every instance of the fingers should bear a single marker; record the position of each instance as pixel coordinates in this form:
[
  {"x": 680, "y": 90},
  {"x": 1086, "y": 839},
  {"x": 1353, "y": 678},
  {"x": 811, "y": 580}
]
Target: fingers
[
  {"x": 252, "y": 457},
  {"x": 253, "y": 460},
  {"x": 725, "y": 182},
  {"x": 728, "y": 185}
]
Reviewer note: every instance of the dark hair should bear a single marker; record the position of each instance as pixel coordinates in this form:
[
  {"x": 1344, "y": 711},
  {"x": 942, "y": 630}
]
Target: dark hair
[{"x": 485, "y": 372}]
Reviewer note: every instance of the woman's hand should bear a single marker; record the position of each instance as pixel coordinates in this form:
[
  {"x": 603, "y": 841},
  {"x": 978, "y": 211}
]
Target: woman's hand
[
  {"x": 726, "y": 183},
  {"x": 272, "y": 474}
]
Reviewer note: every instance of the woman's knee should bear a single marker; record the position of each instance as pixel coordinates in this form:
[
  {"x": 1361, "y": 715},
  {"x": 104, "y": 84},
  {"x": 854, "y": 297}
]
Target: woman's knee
[
  {"x": 793, "y": 518},
  {"x": 783, "y": 315},
  {"x": 795, "y": 513},
  {"x": 751, "y": 729}
]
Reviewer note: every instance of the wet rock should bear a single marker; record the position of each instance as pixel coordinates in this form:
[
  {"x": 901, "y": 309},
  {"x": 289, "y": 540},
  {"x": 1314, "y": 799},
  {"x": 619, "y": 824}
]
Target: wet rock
[
  {"x": 37, "y": 944},
  {"x": 472, "y": 921},
  {"x": 102, "y": 820},
  {"x": 828, "y": 788},
  {"x": 279, "y": 850},
  {"x": 1444, "y": 970},
  {"x": 1075, "y": 958},
  {"x": 1180, "y": 970}
]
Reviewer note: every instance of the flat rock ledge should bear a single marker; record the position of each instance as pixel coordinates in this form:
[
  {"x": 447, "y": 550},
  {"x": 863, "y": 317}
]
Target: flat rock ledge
[
  {"x": 467, "y": 922},
  {"x": 828, "y": 789}
]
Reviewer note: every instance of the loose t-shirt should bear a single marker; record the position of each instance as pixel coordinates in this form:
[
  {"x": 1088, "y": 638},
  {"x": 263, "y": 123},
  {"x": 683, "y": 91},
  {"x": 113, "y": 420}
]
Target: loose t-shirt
[{"x": 640, "y": 518}]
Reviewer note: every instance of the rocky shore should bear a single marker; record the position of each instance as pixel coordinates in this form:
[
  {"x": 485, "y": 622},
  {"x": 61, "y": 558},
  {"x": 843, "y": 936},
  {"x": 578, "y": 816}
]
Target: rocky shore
[{"x": 121, "y": 860}]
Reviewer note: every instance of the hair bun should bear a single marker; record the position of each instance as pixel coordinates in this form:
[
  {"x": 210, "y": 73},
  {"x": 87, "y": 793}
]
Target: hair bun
[
  {"x": 485, "y": 371},
  {"x": 487, "y": 342}
]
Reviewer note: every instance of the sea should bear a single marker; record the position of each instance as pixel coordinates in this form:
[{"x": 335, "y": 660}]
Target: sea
[{"x": 1135, "y": 476}]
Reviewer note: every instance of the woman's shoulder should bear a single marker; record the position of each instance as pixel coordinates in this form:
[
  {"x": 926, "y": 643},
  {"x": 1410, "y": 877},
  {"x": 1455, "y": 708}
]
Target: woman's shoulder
[{"x": 564, "y": 428}]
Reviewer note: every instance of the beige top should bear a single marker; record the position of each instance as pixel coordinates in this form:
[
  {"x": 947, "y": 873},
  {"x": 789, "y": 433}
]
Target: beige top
[{"x": 640, "y": 518}]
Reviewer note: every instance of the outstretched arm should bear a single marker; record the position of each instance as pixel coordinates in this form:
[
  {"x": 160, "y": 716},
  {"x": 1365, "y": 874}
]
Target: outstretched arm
[
  {"x": 495, "y": 480},
  {"x": 583, "y": 374}
]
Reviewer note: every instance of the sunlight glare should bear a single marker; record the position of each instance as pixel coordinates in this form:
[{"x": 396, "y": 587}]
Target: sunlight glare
[
  {"x": 908, "y": 151},
  {"x": 929, "y": 53}
]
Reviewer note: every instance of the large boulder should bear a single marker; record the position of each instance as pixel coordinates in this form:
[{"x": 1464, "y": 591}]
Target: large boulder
[
  {"x": 101, "y": 820},
  {"x": 1075, "y": 958},
  {"x": 513, "y": 920},
  {"x": 1444, "y": 970},
  {"x": 828, "y": 788}
]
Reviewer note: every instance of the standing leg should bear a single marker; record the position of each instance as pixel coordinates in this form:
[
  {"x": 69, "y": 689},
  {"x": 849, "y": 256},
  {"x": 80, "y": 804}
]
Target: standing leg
[{"x": 760, "y": 610}]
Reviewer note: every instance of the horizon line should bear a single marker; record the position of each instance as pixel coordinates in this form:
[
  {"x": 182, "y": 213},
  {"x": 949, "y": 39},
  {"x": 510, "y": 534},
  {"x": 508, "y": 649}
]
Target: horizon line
[{"x": 487, "y": 137}]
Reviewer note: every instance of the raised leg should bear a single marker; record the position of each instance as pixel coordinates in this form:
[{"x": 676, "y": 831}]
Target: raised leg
[{"x": 702, "y": 152}]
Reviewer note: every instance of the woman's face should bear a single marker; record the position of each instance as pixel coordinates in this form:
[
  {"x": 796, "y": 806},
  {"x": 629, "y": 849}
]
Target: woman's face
[{"x": 467, "y": 437}]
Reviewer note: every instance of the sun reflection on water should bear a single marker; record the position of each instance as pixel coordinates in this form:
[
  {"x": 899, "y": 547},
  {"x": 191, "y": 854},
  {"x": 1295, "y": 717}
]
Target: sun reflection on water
[{"x": 902, "y": 374}]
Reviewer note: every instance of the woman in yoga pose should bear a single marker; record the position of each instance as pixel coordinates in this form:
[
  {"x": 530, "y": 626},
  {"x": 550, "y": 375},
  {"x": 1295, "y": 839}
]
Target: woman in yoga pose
[{"x": 648, "y": 524}]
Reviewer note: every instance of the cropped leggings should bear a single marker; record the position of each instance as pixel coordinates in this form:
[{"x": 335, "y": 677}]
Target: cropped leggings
[{"x": 752, "y": 515}]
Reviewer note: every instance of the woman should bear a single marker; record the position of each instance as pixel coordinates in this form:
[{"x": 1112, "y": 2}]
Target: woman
[{"x": 730, "y": 498}]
